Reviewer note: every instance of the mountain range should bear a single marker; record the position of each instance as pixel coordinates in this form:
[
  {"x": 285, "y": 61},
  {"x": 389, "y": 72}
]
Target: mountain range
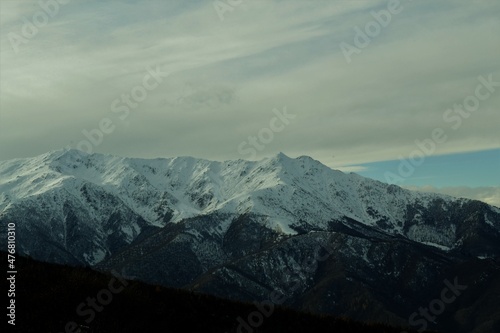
[{"x": 290, "y": 231}]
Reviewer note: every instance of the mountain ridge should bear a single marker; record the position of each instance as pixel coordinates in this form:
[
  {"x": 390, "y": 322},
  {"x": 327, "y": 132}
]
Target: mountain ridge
[{"x": 162, "y": 190}]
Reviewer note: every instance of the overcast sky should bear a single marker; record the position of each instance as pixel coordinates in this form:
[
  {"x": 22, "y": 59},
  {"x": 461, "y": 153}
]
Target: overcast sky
[{"x": 350, "y": 100}]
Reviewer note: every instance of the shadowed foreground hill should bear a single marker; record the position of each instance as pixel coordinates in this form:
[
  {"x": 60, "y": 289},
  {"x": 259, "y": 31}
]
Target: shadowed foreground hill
[{"x": 48, "y": 296}]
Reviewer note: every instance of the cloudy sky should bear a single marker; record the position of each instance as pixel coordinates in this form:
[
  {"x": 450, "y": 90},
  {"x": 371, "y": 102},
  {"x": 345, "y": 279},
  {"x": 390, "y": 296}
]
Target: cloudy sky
[{"x": 366, "y": 86}]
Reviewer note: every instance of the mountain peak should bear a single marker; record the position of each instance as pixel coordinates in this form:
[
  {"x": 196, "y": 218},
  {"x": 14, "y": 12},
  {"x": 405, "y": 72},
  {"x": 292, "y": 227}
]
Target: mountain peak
[{"x": 280, "y": 157}]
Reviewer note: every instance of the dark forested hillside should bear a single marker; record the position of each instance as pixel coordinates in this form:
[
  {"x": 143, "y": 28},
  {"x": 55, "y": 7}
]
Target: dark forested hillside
[{"x": 48, "y": 297}]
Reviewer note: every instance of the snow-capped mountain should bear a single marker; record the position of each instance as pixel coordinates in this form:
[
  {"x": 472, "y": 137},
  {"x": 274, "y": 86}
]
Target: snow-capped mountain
[{"x": 241, "y": 229}]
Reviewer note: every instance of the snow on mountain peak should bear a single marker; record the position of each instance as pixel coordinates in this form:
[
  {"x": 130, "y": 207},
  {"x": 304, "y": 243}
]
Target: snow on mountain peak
[{"x": 289, "y": 191}]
